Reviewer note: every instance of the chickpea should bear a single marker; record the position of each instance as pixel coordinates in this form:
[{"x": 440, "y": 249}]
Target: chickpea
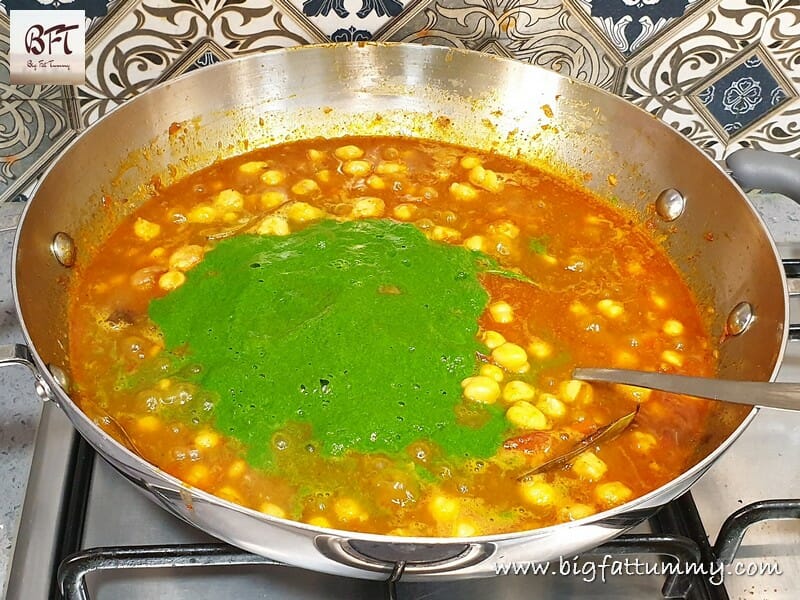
[
  {"x": 272, "y": 177},
  {"x": 538, "y": 493},
  {"x": 185, "y": 257},
  {"x": 610, "y": 308},
  {"x": 463, "y": 191},
  {"x": 252, "y": 167},
  {"x": 470, "y": 161},
  {"x": 443, "y": 508},
  {"x": 301, "y": 212},
  {"x": 501, "y": 312},
  {"x": 319, "y": 522},
  {"x": 673, "y": 358},
  {"x": 481, "y": 389},
  {"x": 349, "y": 152},
  {"x": 273, "y": 225},
  {"x": 197, "y": 474},
  {"x": 637, "y": 394},
  {"x": 643, "y": 442},
  {"x": 672, "y": 327},
  {"x": 659, "y": 301},
  {"x": 390, "y": 168},
  {"x": 444, "y": 234},
  {"x": 268, "y": 508},
  {"x": 229, "y": 200},
  {"x": 574, "y": 512},
  {"x": 347, "y": 509},
  {"x": 228, "y": 493},
  {"x": 148, "y": 424},
  {"x": 589, "y": 466},
  {"x": 357, "y": 168},
  {"x": 465, "y": 529},
  {"x": 376, "y": 182},
  {"x": 171, "y": 280},
  {"x": 368, "y": 207},
  {"x": 574, "y": 390},
  {"x": 551, "y": 406},
  {"x": 273, "y": 199},
  {"x": 237, "y": 469},
  {"x": 202, "y": 213},
  {"x": 404, "y": 212},
  {"x": 207, "y": 439},
  {"x": 492, "y": 371},
  {"x": 515, "y": 391},
  {"x": 306, "y": 187},
  {"x": 492, "y": 339},
  {"x": 145, "y": 229},
  {"x": 511, "y": 357},
  {"x": 539, "y": 349},
  {"x": 625, "y": 359},
  {"x": 475, "y": 242},
  {"x": 526, "y": 416},
  {"x": 504, "y": 228},
  {"x": 612, "y": 494},
  {"x": 485, "y": 178}
]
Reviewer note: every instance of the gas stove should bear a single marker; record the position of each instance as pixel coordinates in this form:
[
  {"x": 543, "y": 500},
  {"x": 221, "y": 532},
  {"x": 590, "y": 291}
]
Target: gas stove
[{"x": 87, "y": 534}]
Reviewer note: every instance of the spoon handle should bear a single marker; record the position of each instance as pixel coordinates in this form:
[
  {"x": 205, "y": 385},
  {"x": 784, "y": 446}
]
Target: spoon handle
[{"x": 785, "y": 396}]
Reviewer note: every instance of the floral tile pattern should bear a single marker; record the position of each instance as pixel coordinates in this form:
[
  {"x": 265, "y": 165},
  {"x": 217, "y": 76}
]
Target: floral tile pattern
[
  {"x": 725, "y": 73},
  {"x": 541, "y": 32},
  {"x": 744, "y": 95},
  {"x": 631, "y": 24}
]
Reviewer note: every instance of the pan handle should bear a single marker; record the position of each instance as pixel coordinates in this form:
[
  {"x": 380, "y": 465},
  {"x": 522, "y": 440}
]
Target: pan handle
[
  {"x": 768, "y": 171},
  {"x": 20, "y": 354}
]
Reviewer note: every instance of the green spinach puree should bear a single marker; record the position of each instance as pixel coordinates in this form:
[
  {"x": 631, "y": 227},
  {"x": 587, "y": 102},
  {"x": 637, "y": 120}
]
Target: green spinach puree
[{"x": 362, "y": 329}]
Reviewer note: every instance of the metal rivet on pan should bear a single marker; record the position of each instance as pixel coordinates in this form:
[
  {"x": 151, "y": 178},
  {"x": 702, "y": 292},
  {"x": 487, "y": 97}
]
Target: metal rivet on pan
[
  {"x": 60, "y": 376},
  {"x": 740, "y": 318},
  {"x": 63, "y": 248},
  {"x": 670, "y": 204}
]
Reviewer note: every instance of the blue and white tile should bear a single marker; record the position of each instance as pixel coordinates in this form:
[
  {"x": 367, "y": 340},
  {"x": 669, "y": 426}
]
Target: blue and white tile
[
  {"x": 541, "y": 32},
  {"x": 704, "y": 44},
  {"x": 348, "y": 20},
  {"x": 750, "y": 92},
  {"x": 780, "y": 133},
  {"x": 631, "y": 25}
]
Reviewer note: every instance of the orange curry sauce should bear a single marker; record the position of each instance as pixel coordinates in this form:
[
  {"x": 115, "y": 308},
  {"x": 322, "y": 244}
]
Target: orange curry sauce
[{"x": 605, "y": 295}]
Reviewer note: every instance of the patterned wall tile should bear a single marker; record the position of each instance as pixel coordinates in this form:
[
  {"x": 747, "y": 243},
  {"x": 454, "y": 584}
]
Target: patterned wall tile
[
  {"x": 782, "y": 37},
  {"x": 541, "y": 32},
  {"x": 141, "y": 40},
  {"x": 348, "y": 20},
  {"x": 780, "y": 133},
  {"x": 725, "y": 78},
  {"x": 700, "y": 48},
  {"x": 631, "y": 25},
  {"x": 35, "y": 124},
  {"x": 737, "y": 99}
]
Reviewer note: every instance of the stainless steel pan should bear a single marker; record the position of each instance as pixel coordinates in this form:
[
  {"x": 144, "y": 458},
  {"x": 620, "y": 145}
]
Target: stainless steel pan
[{"x": 707, "y": 225}]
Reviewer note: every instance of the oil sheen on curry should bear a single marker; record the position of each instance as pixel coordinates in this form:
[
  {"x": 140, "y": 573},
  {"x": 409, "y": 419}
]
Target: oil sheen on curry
[{"x": 377, "y": 334}]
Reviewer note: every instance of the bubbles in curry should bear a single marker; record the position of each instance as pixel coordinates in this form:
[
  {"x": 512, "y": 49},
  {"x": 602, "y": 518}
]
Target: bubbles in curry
[{"x": 377, "y": 334}]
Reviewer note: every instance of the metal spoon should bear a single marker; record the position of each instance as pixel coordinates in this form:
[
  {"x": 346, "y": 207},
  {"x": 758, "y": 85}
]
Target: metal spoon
[{"x": 785, "y": 396}]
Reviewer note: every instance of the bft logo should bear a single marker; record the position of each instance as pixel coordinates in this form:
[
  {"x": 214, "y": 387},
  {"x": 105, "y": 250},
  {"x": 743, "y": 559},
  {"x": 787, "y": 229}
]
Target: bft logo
[
  {"x": 37, "y": 39},
  {"x": 48, "y": 46}
]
